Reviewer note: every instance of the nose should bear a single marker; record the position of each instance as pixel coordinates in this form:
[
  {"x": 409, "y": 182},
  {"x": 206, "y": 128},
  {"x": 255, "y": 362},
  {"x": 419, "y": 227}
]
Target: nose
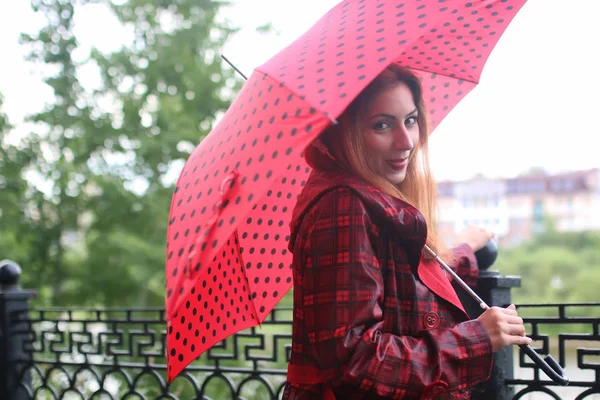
[{"x": 402, "y": 139}]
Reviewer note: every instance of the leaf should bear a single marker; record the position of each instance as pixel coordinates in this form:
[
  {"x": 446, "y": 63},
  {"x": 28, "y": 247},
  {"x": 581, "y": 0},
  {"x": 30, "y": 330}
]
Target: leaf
[{"x": 88, "y": 225}]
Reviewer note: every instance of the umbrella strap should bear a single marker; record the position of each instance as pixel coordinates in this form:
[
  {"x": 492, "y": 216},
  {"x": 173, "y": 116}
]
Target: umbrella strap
[{"x": 209, "y": 226}]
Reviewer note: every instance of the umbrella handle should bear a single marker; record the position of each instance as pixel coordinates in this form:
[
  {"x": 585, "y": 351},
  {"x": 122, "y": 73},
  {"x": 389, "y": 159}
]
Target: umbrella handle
[{"x": 548, "y": 365}]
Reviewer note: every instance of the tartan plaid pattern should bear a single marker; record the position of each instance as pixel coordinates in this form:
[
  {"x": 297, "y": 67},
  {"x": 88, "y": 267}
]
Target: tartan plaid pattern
[
  {"x": 465, "y": 264},
  {"x": 362, "y": 317}
]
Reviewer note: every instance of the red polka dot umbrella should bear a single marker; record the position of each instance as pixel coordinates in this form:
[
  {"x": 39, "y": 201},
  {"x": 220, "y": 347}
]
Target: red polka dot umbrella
[{"x": 227, "y": 258}]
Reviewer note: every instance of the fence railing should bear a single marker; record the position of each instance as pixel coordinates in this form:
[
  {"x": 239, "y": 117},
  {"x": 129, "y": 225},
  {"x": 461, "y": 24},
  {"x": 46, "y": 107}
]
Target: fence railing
[
  {"x": 121, "y": 352},
  {"x": 570, "y": 332},
  {"x": 69, "y": 353}
]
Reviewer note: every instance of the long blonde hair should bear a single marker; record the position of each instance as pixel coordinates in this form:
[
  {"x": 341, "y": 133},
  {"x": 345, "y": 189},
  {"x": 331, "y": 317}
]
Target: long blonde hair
[{"x": 344, "y": 142}]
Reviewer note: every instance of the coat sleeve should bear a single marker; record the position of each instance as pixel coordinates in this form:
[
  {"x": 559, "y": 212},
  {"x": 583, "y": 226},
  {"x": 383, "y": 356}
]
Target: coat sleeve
[
  {"x": 343, "y": 310},
  {"x": 464, "y": 264}
]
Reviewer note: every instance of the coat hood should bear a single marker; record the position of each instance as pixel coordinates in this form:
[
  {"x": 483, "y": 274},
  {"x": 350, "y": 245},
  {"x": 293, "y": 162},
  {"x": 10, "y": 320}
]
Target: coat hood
[{"x": 408, "y": 224}]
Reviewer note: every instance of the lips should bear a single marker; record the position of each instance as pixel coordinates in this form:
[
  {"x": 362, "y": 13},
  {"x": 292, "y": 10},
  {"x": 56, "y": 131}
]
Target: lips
[{"x": 398, "y": 164}]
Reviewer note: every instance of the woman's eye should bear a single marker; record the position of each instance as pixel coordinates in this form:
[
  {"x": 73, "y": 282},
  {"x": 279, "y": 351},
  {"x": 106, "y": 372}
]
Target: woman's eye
[
  {"x": 381, "y": 125},
  {"x": 410, "y": 121}
]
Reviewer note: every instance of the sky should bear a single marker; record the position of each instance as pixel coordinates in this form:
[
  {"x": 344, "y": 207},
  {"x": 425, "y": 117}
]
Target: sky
[{"x": 535, "y": 106}]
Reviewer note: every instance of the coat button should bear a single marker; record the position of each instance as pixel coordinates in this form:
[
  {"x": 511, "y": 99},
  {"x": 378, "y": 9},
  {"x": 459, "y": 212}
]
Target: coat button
[
  {"x": 437, "y": 390},
  {"x": 434, "y": 390},
  {"x": 376, "y": 336},
  {"x": 432, "y": 320}
]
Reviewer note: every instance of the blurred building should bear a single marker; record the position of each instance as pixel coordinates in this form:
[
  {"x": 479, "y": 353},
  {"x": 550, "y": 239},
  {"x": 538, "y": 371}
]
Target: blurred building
[{"x": 517, "y": 208}]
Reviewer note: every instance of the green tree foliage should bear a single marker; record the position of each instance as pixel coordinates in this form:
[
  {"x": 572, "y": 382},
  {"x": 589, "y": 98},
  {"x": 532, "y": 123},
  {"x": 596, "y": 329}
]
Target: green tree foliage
[
  {"x": 89, "y": 224},
  {"x": 16, "y": 236},
  {"x": 10, "y": 187},
  {"x": 4, "y": 124},
  {"x": 559, "y": 267}
]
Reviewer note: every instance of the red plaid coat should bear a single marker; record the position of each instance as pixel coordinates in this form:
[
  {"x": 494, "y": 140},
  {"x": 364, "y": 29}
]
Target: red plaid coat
[{"x": 371, "y": 320}]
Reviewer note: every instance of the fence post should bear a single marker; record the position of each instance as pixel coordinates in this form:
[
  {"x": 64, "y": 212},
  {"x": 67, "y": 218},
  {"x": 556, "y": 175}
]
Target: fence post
[
  {"x": 494, "y": 289},
  {"x": 15, "y": 378}
]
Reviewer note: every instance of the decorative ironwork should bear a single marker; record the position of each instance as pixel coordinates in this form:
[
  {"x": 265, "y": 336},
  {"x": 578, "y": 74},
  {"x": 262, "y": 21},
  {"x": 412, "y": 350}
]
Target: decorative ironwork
[
  {"x": 571, "y": 333},
  {"x": 120, "y": 354}
]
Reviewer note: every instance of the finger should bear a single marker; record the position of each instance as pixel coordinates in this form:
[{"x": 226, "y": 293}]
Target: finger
[
  {"x": 518, "y": 340},
  {"x": 497, "y": 312},
  {"x": 509, "y": 311},
  {"x": 511, "y": 307},
  {"x": 513, "y": 330},
  {"x": 514, "y": 320},
  {"x": 522, "y": 340}
]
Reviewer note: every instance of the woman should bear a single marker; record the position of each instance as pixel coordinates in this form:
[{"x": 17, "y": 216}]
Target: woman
[{"x": 374, "y": 317}]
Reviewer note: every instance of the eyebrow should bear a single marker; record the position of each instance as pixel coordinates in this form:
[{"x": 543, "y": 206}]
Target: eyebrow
[{"x": 390, "y": 116}]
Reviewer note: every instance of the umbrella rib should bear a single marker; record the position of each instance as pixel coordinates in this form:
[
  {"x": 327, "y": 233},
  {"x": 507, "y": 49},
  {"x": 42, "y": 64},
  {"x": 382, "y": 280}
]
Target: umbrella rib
[
  {"x": 237, "y": 244},
  {"x": 334, "y": 121},
  {"x": 444, "y": 75},
  {"x": 292, "y": 91}
]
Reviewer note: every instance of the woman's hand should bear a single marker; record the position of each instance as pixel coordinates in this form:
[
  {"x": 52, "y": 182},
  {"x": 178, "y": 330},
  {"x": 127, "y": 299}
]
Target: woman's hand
[
  {"x": 504, "y": 326},
  {"x": 475, "y": 237}
]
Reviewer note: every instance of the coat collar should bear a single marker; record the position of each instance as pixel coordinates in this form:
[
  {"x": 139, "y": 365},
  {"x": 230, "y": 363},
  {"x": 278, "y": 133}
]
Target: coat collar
[{"x": 405, "y": 220}]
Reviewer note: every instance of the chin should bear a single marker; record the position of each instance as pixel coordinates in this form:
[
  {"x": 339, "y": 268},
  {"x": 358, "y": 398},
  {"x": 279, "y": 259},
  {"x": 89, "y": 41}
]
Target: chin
[{"x": 397, "y": 179}]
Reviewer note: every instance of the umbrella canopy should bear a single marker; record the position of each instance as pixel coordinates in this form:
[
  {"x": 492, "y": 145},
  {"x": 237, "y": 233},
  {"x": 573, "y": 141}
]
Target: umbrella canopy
[{"x": 227, "y": 259}]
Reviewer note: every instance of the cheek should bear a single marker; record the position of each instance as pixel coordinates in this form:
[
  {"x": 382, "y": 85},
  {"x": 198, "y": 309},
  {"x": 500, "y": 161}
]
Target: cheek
[
  {"x": 375, "y": 145},
  {"x": 415, "y": 136}
]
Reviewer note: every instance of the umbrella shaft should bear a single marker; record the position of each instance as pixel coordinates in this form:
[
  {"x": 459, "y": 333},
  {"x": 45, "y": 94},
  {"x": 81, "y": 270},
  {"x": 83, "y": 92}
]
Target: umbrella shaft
[{"x": 458, "y": 280}]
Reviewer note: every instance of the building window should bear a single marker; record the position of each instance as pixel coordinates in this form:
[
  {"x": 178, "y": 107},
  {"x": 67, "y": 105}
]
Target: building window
[
  {"x": 569, "y": 185},
  {"x": 538, "y": 208}
]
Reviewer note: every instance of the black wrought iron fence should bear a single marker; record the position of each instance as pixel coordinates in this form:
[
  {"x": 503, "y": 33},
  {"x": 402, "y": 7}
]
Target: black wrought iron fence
[
  {"x": 120, "y": 353},
  {"x": 570, "y": 332}
]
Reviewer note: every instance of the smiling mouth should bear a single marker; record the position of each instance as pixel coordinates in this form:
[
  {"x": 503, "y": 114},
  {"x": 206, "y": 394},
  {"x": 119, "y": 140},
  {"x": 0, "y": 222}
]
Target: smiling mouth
[{"x": 398, "y": 164}]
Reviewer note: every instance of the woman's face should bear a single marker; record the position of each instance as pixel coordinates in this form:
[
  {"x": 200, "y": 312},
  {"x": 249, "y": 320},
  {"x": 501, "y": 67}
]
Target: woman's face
[{"x": 390, "y": 132}]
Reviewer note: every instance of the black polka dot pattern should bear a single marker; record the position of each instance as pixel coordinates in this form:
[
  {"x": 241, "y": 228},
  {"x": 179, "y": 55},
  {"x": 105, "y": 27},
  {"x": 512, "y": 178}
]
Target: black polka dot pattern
[
  {"x": 446, "y": 42},
  {"x": 227, "y": 259}
]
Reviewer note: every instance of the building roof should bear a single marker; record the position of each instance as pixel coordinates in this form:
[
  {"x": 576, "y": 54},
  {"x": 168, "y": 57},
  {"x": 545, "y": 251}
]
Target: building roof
[{"x": 564, "y": 183}]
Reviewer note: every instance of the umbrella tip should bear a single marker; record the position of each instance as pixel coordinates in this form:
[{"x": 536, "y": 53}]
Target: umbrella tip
[{"x": 234, "y": 67}]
